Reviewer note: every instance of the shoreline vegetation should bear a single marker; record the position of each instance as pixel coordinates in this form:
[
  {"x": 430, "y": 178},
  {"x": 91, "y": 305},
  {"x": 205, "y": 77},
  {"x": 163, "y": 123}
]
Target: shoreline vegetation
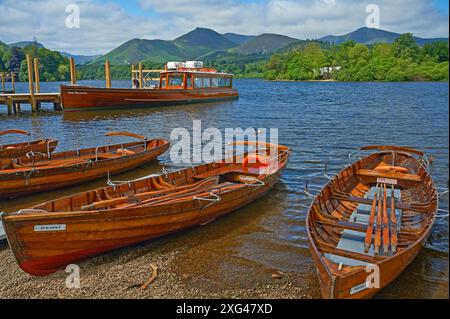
[{"x": 402, "y": 61}]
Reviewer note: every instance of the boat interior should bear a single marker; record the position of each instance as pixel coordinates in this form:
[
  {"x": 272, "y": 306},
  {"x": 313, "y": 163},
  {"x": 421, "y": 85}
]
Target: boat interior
[
  {"x": 372, "y": 210},
  {"x": 74, "y": 157},
  {"x": 204, "y": 182}
]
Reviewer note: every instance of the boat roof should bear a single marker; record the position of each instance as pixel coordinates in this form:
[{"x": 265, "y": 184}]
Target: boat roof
[{"x": 197, "y": 71}]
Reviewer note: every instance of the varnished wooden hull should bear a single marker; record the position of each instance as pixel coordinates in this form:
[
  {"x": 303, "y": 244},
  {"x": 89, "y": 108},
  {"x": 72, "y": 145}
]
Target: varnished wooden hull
[
  {"x": 21, "y": 149},
  {"x": 81, "y": 98},
  {"x": 340, "y": 280},
  {"x": 18, "y": 183},
  {"x": 88, "y": 233}
]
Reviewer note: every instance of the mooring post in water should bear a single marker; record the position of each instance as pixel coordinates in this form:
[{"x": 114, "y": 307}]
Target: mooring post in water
[
  {"x": 36, "y": 75},
  {"x": 141, "y": 76},
  {"x": 2, "y": 75},
  {"x": 107, "y": 74},
  {"x": 30, "y": 83},
  {"x": 13, "y": 82},
  {"x": 132, "y": 77},
  {"x": 73, "y": 72},
  {"x": 37, "y": 80}
]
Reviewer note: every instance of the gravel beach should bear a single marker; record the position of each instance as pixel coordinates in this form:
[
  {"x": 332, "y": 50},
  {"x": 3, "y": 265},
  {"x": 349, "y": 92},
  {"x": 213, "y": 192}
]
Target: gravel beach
[{"x": 121, "y": 273}]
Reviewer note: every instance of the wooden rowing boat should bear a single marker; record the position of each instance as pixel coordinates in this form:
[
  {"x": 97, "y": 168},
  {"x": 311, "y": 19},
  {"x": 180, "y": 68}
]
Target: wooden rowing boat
[
  {"x": 371, "y": 220},
  {"x": 48, "y": 236},
  {"x": 41, "y": 172},
  {"x": 20, "y": 149}
]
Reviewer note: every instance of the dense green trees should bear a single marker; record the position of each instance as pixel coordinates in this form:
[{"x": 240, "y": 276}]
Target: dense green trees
[
  {"x": 53, "y": 66},
  {"x": 402, "y": 60}
]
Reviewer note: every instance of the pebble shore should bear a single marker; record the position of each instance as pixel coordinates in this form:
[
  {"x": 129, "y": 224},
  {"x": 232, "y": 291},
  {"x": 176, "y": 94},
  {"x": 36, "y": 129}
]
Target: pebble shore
[{"x": 120, "y": 274}]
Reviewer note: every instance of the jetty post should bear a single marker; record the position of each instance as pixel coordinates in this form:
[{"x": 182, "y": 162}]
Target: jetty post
[
  {"x": 30, "y": 83},
  {"x": 132, "y": 76},
  {"x": 13, "y": 82},
  {"x": 73, "y": 72},
  {"x": 107, "y": 74},
  {"x": 37, "y": 80},
  {"x": 2, "y": 75},
  {"x": 141, "y": 76}
]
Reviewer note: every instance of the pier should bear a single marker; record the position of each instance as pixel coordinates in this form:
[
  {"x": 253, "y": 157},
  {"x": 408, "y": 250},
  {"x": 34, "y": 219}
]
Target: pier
[{"x": 34, "y": 97}]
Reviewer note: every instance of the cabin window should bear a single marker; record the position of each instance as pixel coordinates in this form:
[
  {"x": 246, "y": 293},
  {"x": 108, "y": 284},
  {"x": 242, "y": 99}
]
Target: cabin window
[
  {"x": 215, "y": 82},
  {"x": 206, "y": 82},
  {"x": 221, "y": 82},
  {"x": 189, "y": 81},
  {"x": 198, "y": 83},
  {"x": 163, "y": 82},
  {"x": 227, "y": 82},
  {"x": 175, "y": 80}
]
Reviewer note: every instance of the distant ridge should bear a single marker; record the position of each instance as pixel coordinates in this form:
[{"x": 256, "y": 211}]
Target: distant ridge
[
  {"x": 264, "y": 44},
  {"x": 23, "y": 44},
  {"x": 238, "y": 38},
  {"x": 80, "y": 59},
  {"x": 371, "y": 36}
]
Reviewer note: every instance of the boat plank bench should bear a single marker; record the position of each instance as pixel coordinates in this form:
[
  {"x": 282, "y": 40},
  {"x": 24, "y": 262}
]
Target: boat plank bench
[
  {"x": 390, "y": 175},
  {"x": 227, "y": 170}
]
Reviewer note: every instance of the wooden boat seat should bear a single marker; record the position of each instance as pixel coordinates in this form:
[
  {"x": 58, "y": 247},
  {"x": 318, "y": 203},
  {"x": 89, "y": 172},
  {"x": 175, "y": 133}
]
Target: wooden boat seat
[
  {"x": 229, "y": 169},
  {"x": 390, "y": 175}
]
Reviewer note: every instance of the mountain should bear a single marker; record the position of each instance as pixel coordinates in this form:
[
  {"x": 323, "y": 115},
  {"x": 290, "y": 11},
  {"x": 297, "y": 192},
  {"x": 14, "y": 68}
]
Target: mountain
[
  {"x": 137, "y": 50},
  {"x": 3, "y": 45},
  {"x": 23, "y": 44},
  {"x": 264, "y": 44},
  {"x": 202, "y": 41},
  {"x": 80, "y": 59},
  {"x": 238, "y": 38},
  {"x": 189, "y": 46},
  {"x": 370, "y": 36}
]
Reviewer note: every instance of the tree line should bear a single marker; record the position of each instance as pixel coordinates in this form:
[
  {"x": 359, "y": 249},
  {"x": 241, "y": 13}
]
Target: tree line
[
  {"x": 403, "y": 60},
  {"x": 52, "y": 65}
]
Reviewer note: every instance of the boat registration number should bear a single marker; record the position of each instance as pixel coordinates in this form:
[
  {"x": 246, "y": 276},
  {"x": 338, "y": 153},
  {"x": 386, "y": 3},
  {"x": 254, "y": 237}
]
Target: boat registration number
[
  {"x": 387, "y": 181},
  {"x": 358, "y": 288},
  {"x": 54, "y": 227}
]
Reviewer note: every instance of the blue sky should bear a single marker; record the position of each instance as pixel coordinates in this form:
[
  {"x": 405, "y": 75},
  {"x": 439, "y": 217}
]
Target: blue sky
[{"x": 105, "y": 24}]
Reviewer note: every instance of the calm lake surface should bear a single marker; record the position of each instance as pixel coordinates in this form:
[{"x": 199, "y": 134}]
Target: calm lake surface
[{"x": 321, "y": 122}]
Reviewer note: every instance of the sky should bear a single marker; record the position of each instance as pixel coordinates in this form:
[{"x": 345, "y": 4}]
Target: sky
[{"x": 106, "y": 24}]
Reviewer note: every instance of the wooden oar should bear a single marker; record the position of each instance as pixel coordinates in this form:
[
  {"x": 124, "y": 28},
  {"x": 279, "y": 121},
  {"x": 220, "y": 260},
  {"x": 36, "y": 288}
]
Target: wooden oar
[
  {"x": 385, "y": 223},
  {"x": 377, "y": 240},
  {"x": 369, "y": 231},
  {"x": 129, "y": 134},
  {"x": 394, "y": 239},
  {"x": 143, "y": 196},
  {"x": 172, "y": 196}
]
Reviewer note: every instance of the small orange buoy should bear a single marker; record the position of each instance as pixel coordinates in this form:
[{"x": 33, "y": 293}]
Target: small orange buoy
[{"x": 256, "y": 160}]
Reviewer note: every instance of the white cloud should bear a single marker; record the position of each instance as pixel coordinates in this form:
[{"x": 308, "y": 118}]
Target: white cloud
[{"x": 105, "y": 26}]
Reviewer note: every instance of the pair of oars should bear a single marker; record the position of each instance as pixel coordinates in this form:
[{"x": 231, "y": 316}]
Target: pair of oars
[{"x": 382, "y": 230}]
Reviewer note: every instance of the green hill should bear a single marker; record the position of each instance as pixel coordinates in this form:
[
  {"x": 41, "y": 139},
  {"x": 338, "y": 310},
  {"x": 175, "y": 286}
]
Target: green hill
[
  {"x": 137, "y": 50},
  {"x": 371, "y": 36},
  {"x": 264, "y": 44},
  {"x": 23, "y": 44},
  {"x": 238, "y": 38},
  {"x": 190, "y": 46},
  {"x": 202, "y": 41}
]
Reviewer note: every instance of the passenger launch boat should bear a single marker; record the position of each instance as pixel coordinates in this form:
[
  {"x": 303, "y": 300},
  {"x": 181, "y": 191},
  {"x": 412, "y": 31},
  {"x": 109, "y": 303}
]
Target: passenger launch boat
[
  {"x": 39, "y": 172},
  {"x": 20, "y": 149},
  {"x": 371, "y": 220},
  {"x": 51, "y": 235},
  {"x": 180, "y": 83}
]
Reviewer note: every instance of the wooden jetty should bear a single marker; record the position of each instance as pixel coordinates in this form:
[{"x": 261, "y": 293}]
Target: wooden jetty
[{"x": 34, "y": 97}]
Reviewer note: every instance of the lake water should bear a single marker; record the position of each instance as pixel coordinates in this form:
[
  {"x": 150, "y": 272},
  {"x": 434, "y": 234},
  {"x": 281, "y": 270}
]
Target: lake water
[{"x": 322, "y": 123}]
